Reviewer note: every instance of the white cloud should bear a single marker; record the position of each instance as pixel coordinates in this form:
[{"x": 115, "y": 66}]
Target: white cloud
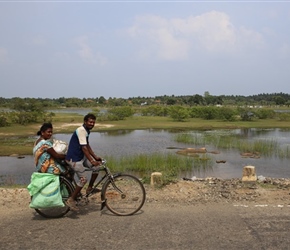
[
  {"x": 170, "y": 47},
  {"x": 173, "y": 39},
  {"x": 212, "y": 30},
  {"x": 159, "y": 38},
  {"x": 250, "y": 39},
  {"x": 87, "y": 54}
]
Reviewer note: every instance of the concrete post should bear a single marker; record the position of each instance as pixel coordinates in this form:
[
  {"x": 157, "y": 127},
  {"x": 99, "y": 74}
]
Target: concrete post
[
  {"x": 156, "y": 178},
  {"x": 249, "y": 174}
]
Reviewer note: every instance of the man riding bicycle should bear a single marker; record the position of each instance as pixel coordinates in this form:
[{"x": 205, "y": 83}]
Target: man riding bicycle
[{"x": 79, "y": 155}]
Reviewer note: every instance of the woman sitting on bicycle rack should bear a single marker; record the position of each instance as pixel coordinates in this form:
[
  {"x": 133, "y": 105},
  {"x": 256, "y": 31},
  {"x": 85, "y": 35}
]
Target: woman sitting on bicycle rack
[
  {"x": 80, "y": 153},
  {"x": 44, "y": 155}
]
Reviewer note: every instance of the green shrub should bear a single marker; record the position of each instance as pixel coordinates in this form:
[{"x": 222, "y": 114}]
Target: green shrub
[
  {"x": 178, "y": 113},
  {"x": 283, "y": 116},
  {"x": 4, "y": 120},
  {"x": 209, "y": 113},
  {"x": 116, "y": 114},
  {"x": 264, "y": 113},
  {"x": 154, "y": 110},
  {"x": 226, "y": 114},
  {"x": 195, "y": 112}
]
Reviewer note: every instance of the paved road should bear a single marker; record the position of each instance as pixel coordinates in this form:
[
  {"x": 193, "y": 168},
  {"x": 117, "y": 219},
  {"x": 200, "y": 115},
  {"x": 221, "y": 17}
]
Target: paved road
[{"x": 158, "y": 226}]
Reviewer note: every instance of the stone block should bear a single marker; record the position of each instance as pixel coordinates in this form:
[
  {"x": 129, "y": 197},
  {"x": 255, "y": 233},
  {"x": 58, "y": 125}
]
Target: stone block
[
  {"x": 249, "y": 174},
  {"x": 156, "y": 178}
]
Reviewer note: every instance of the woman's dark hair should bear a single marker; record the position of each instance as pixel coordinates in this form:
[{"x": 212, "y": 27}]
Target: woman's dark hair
[
  {"x": 89, "y": 116},
  {"x": 45, "y": 126}
]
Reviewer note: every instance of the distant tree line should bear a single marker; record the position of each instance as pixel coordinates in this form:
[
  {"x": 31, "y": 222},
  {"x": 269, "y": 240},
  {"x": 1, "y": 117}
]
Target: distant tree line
[
  {"x": 189, "y": 100},
  {"x": 180, "y": 108}
]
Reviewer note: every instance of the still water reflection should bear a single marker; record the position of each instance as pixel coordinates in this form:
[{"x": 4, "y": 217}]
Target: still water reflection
[{"x": 131, "y": 142}]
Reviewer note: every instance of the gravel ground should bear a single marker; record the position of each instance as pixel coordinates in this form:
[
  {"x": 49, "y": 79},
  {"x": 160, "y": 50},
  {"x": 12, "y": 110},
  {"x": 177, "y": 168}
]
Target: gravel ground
[{"x": 200, "y": 191}]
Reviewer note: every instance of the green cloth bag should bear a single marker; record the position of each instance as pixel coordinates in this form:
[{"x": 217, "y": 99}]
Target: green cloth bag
[{"x": 44, "y": 189}]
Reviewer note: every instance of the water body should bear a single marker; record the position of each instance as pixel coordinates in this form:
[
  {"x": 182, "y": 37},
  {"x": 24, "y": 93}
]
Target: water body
[
  {"x": 132, "y": 142},
  {"x": 79, "y": 111}
]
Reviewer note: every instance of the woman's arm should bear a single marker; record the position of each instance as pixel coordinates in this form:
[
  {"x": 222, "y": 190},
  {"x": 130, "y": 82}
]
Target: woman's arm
[{"x": 55, "y": 155}]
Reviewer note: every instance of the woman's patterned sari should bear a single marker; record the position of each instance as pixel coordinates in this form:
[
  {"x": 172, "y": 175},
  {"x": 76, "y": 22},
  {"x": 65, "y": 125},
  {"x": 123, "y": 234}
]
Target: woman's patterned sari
[{"x": 44, "y": 162}]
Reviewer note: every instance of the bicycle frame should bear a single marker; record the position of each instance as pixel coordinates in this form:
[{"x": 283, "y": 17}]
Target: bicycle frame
[
  {"x": 106, "y": 177},
  {"x": 69, "y": 174}
]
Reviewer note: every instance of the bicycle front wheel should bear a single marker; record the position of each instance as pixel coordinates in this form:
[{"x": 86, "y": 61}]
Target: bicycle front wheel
[
  {"x": 66, "y": 189},
  {"x": 124, "y": 194}
]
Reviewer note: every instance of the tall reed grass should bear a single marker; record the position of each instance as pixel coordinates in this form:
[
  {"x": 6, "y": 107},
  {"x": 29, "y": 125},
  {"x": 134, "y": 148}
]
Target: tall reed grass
[
  {"x": 268, "y": 148},
  {"x": 171, "y": 165}
]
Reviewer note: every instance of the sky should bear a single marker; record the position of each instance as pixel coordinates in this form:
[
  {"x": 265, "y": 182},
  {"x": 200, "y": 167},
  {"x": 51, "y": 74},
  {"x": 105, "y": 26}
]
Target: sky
[{"x": 123, "y": 49}]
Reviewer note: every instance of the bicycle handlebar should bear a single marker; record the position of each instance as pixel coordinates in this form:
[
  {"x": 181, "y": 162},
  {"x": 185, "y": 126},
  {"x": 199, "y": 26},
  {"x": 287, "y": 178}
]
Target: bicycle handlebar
[{"x": 102, "y": 166}]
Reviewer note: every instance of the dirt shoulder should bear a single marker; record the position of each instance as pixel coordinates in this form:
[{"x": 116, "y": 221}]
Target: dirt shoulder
[
  {"x": 185, "y": 192},
  {"x": 268, "y": 191}
]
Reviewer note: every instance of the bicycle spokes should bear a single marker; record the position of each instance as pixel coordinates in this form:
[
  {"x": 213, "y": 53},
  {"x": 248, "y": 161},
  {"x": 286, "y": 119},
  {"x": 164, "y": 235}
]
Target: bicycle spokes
[{"x": 124, "y": 195}]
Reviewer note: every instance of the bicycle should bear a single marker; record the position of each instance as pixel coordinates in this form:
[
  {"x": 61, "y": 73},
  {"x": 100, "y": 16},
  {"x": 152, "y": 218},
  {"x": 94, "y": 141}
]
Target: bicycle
[{"x": 122, "y": 194}]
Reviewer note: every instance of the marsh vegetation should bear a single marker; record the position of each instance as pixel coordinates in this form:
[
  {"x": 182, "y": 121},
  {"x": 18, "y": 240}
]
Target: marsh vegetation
[
  {"x": 168, "y": 164},
  {"x": 225, "y": 139}
]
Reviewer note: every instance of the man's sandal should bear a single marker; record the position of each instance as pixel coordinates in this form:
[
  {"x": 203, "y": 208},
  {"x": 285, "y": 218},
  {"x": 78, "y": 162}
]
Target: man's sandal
[{"x": 71, "y": 204}]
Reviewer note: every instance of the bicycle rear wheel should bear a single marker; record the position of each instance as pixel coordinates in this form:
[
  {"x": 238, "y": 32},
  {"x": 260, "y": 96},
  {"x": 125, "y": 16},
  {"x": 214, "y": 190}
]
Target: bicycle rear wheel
[
  {"x": 66, "y": 189},
  {"x": 124, "y": 195}
]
